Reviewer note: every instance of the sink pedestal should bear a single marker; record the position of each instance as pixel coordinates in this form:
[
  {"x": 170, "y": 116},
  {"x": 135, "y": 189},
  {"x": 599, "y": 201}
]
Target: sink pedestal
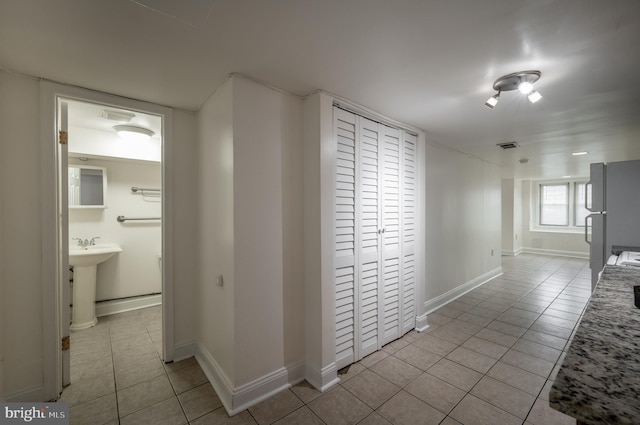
[
  {"x": 85, "y": 262},
  {"x": 84, "y": 297}
]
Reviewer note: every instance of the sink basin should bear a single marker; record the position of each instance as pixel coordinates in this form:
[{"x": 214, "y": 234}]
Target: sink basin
[
  {"x": 92, "y": 255},
  {"x": 85, "y": 262}
]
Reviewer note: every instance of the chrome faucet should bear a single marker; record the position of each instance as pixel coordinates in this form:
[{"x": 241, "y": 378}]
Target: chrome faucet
[{"x": 86, "y": 242}]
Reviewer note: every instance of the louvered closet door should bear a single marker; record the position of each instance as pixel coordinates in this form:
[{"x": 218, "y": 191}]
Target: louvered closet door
[
  {"x": 375, "y": 235},
  {"x": 391, "y": 289},
  {"x": 409, "y": 181},
  {"x": 345, "y": 235},
  {"x": 367, "y": 235}
]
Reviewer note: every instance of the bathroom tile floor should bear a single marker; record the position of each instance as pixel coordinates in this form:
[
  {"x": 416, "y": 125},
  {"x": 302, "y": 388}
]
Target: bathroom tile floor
[{"x": 487, "y": 358}]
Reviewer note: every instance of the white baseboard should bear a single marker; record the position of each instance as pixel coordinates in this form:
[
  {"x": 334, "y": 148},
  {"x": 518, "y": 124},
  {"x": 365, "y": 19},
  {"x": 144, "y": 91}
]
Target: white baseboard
[
  {"x": 512, "y": 253},
  {"x": 439, "y": 301},
  {"x": 421, "y": 323},
  {"x": 557, "y": 253},
  {"x": 258, "y": 390},
  {"x": 236, "y": 400},
  {"x": 184, "y": 351},
  {"x": 324, "y": 378},
  {"x": 296, "y": 372},
  {"x": 216, "y": 376},
  {"x": 106, "y": 308},
  {"x": 35, "y": 394}
]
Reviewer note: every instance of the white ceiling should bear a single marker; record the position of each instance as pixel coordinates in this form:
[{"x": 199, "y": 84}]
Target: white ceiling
[{"x": 429, "y": 63}]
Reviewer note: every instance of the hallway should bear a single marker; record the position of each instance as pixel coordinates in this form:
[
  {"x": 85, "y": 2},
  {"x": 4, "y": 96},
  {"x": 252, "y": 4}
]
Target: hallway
[{"x": 487, "y": 358}]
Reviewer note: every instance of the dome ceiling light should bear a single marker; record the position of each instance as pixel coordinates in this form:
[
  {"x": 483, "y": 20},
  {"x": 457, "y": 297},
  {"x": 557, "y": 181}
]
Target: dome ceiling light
[
  {"x": 133, "y": 132},
  {"x": 522, "y": 81}
]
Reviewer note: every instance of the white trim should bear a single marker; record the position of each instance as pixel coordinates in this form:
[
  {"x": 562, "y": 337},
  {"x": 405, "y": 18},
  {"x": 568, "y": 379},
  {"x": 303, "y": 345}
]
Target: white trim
[
  {"x": 107, "y": 308},
  {"x": 534, "y": 191},
  {"x": 51, "y": 294},
  {"x": 444, "y": 299},
  {"x": 512, "y": 253},
  {"x": 216, "y": 376},
  {"x": 557, "y": 253},
  {"x": 295, "y": 372},
  {"x": 258, "y": 390},
  {"x": 31, "y": 394},
  {"x": 236, "y": 400},
  {"x": 49, "y": 93},
  {"x": 322, "y": 379},
  {"x": 421, "y": 323},
  {"x": 184, "y": 351}
]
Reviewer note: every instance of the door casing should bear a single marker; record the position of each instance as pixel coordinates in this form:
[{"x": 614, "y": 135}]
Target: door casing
[{"x": 54, "y": 258}]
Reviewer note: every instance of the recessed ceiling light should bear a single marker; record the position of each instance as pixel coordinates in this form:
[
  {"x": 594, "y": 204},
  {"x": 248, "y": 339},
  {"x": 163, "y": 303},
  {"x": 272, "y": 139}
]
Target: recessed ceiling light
[
  {"x": 566, "y": 177},
  {"x": 579, "y": 153}
]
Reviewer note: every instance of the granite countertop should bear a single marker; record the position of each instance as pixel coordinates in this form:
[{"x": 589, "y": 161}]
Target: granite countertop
[{"x": 599, "y": 379}]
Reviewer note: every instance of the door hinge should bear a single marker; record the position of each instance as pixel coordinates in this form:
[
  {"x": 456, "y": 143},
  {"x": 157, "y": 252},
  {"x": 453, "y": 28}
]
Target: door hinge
[
  {"x": 66, "y": 343},
  {"x": 63, "y": 137}
]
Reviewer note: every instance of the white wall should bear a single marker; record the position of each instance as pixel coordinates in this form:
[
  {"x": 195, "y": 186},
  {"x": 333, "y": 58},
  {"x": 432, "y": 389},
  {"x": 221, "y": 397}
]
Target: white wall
[
  {"x": 250, "y": 218},
  {"x": 257, "y": 177},
  {"x": 21, "y": 275},
  {"x": 508, "y": 234},
  {"x": 319, "y": 245},
  {"x": 570, "y": 244},
  {"x": 108, "y": 144},
  {"x": 511, "y": 217},
  {"x": 215, "y": 250},
  {"x": 136, "y": 270},
  {"x": 463, "y": 223},
  {"x": 517, "y": 216},
  {"x": 21, "y": 235}
]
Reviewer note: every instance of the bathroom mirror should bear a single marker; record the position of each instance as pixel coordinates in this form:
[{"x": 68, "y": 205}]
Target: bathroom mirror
[{"x": 87, "y": 186}]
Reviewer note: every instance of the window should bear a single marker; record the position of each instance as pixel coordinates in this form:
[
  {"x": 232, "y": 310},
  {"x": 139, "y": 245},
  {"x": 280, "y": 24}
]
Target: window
[
  {"x": 554, "y": 204},
  {"x": 560, "y": 205},
  {"x": 581, "y": 211}
]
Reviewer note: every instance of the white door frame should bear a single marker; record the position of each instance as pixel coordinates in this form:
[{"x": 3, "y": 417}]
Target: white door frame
[{"x": 52, "y": 258}]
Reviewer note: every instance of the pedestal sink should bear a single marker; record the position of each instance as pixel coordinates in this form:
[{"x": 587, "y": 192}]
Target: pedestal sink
[{"x": 85, "y": 262}]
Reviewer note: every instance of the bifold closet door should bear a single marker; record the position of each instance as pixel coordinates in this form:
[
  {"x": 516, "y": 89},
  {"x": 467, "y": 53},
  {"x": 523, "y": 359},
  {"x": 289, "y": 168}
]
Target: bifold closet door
[
  {"x": 409, "y": 205},
  {"x": 368, "y": 236},
  {"x": 357, "y": 233},
  {"x": 391, "y": 289},
  {"x": 375, "y": 220},
  {"x": 345, "y": 236}
]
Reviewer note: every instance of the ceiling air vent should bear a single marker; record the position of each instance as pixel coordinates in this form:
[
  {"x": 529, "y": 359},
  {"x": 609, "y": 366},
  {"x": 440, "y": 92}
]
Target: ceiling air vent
[{"x": 508, "y": 145}]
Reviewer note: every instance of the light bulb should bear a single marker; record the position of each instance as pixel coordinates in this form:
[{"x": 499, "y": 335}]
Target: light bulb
[
  {"x": 525, "y": 87},
  {"x": 534, "y": 96},
  {"x": 492, "y": 101}
]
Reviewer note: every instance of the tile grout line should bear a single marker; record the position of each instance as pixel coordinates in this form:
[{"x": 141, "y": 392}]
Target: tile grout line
[
  {"x": 511, "y": 347},
  {"x": 113, "y": 365}
]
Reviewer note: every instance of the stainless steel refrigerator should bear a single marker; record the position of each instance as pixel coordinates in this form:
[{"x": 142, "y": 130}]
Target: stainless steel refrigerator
[{"x": 615, "y": 211}]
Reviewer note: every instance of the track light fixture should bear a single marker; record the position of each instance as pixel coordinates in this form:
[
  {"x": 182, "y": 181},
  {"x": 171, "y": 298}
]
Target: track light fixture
[{"x": 522, "y": 81}]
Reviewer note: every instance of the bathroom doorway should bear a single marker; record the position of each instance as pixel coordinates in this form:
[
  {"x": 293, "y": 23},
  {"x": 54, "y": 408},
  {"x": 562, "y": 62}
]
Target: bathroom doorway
[{"x": 110, "y": 193}]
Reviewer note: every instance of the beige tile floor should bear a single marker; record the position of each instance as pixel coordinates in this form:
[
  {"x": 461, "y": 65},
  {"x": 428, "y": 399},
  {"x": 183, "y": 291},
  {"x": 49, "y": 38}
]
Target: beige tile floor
[{"x": 487, "y": 358}]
